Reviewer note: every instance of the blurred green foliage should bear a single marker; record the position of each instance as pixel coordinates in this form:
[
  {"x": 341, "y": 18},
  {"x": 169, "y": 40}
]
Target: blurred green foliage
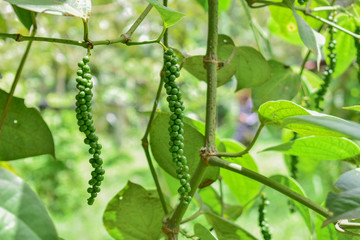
[{"x": 126, "y": 79}]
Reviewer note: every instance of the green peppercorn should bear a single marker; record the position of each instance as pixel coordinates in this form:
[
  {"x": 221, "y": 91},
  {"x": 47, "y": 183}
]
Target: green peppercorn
[
  {"x": 262, "y": 221},
  {"x": 176, "y": 145},
  {"x": 327, "y": 75},
  {"x": 85, "y": 123}
]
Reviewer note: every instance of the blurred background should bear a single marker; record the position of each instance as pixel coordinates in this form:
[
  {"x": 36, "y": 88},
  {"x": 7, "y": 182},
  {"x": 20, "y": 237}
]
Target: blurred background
[{"x": 126, "y": 80}]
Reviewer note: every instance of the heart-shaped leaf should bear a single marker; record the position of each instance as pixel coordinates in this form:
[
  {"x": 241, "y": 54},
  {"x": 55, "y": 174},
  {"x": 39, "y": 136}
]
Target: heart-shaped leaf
[
  {"x": 25, "y": 133},
  {"x": 134, "y": 213},
  {"x": 169, "y": 16},
  {"x": 252, "y": 70},
  {"x": 23, "y": 216},
  {"x": 284, "y": 84}
]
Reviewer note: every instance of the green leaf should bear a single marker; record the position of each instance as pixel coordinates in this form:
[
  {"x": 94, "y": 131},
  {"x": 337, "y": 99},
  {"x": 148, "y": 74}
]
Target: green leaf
[
  {"x": 345, "y": 203},
  {"x": 3, "y": 25},
  {"x": 226, "y": 230},
  {"x": 202, "y": 232},
  {"x": 23, "y": 216},
  {"x": 328, "y": 232},
  {"x": 210, "y": 197},
  {"x": 284, "y": 84},
  {"x": 293, "y": 185},
  {"x": 24, "y": 134},
  {"x": 226, "y": 55},
  {"x": 252, "y": 70},
  {"x": 275, "y": 112},
  {"x": 320, "y": 148},
  {"x": 311, "y": 81},
  {"x": 355, "y": 108},
  {"x": 345, "y": 47},
  {"x": 134, "y": 213},
  {"x": 312, "y": 39},
  {"x": 75, "y": 8},
  {"x": 24, "y": 16},
  {"x": 243, "y": 188},
  {"x": 169, "y": 16},
  {"x": 283, "y": 24},
  {"x": 194, "y": 140},
  {"x": 323, "y": 126}
]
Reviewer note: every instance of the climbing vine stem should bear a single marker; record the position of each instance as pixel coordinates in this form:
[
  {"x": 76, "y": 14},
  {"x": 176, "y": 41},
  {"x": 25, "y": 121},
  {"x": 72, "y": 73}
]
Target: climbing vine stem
[{"x": 171, "y": 226}]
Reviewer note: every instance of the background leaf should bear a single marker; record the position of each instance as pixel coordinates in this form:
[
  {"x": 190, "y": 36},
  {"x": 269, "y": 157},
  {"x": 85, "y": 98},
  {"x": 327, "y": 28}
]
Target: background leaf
[
  {"x": 169, "y": 16},
  {"x": 24, "y": 16},
  {"x": 202, "y": 232},
  {"x": 75, "y": 8},
  {"x": 244, "y": 189},
  {"x": 193, "y": 141},
  {"x": 25, "y": 133},
  {"x": 328, "y": 232},
  {"x": 252, "y": 70},
  {"x": 226, "y": 230},
  {"x": 134, "y": 213},
  {"x": 284, "y": 83},
  {"x": 346, "y": 203},
  {"x": 23, "y": 216},
  {"x": 210, "y": 197},
  {"x": 293, "y": 185},
  {"x": 3, "y": 26},
  {"x": 283, "y": 24},
  {"x": 320, "y": 148}
]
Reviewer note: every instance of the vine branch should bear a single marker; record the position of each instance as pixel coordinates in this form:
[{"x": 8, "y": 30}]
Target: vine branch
[
  {"x": 247, "y": 149},
  {"x": 216, "y": 161},
  {"x": 124, "y": 38}
]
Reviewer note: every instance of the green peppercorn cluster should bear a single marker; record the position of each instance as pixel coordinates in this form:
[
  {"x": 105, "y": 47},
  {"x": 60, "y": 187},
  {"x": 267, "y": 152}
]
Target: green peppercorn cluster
[
  {"x": 329, "y": 70},
  {"x": 302, "y": 2},
  {"x": 176, "y": 125},
  {"x": 357, "y": 45},
  {"x": 294, "y": 160},
  {"x": 86, "y": 125},
  {"x": 263, "y": 222}
]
